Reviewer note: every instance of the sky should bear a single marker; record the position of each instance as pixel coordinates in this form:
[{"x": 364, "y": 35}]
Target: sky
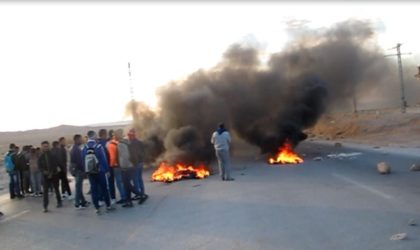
[{"x": 66, "y": 63}]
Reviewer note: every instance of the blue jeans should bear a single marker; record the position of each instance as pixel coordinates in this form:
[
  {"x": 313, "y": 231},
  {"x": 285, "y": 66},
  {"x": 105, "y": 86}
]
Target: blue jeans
[
  {"x": 14, "y": 185},
  {"x": 139, "y": 173},
  {"x": 129, "y": 175},
  {"x": 99, "y": 182},
  {"x": 36, "y": 181},
  {"x": 111, "y": 183},
  {"x": 78, "y": 186},
  {"x": 119, "y": 182}
]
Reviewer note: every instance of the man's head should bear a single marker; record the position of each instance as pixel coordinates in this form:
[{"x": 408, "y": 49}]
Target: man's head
[
  {"x": 131, "y": 134},
  {"x": 62, "y": 141},
  {"x": 221, "y": 125},
  {"x": 91, "y": 135},
  {"x": 110, "y": 133},
  {"x": 103, "y": 134},
  {"x": 77, "y": 139},
  {"x": 45, "y": 146},
  {"x": 12, "y": 146},
  {"x": 17, "y": 149},
  {"x": 55, "y": 144},
  {"x": 118, "y": 134}
]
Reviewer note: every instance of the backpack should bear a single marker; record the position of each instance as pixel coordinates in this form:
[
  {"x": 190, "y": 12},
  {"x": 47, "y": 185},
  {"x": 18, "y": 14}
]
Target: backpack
[
  {"x": 91, "y": 161},
  {"x": 8, "y": 163}
]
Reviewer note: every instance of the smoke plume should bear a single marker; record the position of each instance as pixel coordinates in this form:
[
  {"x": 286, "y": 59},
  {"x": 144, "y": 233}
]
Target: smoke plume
[{"x": 264, "y": 104}]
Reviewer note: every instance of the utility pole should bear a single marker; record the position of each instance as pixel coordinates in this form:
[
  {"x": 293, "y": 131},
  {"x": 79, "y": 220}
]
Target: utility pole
[
  {"x": 400, "y": 70},
  {"x": 133, "y": 102}
]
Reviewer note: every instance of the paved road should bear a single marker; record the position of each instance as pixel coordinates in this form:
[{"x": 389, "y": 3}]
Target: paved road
[{"x": 329, "y": 204}]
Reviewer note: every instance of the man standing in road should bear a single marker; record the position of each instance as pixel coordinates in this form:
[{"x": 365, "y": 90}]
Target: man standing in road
[
  {"x": 78, "y": 171},
  {"x": 48, "y": 165},
  {"x": 96, "y": 166},
  {"x": 62, "y": 162},
  {"x": 136, "y": 148},
  {"x": 221, "y": 141}
]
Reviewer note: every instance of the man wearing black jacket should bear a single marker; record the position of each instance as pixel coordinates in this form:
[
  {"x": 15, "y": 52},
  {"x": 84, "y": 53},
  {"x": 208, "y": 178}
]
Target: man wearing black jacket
[
  {"x": 49, "y": 167},
  {"x": 59, "y": 150}
]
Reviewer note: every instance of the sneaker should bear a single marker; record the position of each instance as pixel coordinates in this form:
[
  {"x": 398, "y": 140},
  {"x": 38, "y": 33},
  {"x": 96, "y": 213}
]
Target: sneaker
[
  {"x": 33, "y": 195},
  {"x": 45, "y": 210},
  {"x": 59, "y": 205},
  {"x": 120, "y": 202},
  {"x": 70, "y": 197},
  {"x": 137, "y": 197},
  {"x": 112, "y": 201},
  {"x": 110, "y": 209},
  {"x": 98, "y": 211},
  {"x": 86, "y": 204},
  {"x": 64, "y": 196},
  {"x": 101, "y": 203},
  {"x": 143, "y": 199},
  {"x": 230, "y": 179},
  {"x": 128, "y": 204}
]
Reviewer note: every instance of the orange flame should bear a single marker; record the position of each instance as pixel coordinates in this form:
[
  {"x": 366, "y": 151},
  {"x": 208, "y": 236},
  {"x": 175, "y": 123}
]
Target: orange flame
[
  {"x": 285, "y": 155},
  {"x": 170, "y": 173}
]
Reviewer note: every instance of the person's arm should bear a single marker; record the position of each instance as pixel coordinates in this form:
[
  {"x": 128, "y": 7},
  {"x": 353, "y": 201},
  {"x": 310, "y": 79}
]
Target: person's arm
[{"x": 212, "y": 138}]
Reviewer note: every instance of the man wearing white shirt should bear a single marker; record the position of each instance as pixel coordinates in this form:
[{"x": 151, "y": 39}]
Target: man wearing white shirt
[{"x": 221, "y": 141}]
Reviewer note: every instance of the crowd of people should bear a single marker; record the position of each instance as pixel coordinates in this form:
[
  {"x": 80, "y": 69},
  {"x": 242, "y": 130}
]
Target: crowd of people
[{"x": 109, "y": 160}]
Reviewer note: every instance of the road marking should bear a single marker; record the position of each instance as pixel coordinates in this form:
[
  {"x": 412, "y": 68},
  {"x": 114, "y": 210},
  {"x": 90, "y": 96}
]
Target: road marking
[
  {"x": 363, "y": 186},
  {"x": 9, "y": 218}
]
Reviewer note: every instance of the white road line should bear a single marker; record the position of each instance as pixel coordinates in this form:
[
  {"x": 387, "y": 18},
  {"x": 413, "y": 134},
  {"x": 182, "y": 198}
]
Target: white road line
[
  {"x": 9, "y": 218},
  {"x": 363, "y": 186}
]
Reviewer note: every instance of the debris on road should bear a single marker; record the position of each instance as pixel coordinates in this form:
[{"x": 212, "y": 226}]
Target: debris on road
[
  {"x": 318, "y": 158},
  {"x": 400, "y": 236},
  {"x": 412, "y": 222},
  {"x": 343, "y": 155},
  {"x": 415, "y": 167},
  {"x": 338, "y": 145},
  {"x": 383, "y": 168}
]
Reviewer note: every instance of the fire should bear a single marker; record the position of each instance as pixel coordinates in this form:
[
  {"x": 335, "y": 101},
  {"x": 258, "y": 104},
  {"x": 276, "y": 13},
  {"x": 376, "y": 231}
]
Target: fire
[
  {"x": 170, "y": 173},
  {"x": 285, "y": 155}
]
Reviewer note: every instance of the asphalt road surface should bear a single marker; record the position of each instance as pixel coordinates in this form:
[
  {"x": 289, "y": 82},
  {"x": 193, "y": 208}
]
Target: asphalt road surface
[{"x": 328, "y": 204}]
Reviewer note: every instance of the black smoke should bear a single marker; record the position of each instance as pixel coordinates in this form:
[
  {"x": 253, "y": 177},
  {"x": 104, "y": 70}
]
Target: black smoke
[{"x": 264, "y": 103}]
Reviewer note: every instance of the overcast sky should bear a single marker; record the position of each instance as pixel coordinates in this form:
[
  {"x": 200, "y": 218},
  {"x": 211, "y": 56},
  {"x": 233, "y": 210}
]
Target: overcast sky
[{"x": 66, "y": 63}]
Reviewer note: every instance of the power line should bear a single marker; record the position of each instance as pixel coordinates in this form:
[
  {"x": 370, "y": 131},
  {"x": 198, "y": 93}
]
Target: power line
[{"x": 400, "y": 70}]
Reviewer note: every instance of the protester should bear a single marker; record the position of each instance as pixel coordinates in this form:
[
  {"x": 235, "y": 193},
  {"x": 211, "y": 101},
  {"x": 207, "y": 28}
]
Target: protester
[
  {"x": 136, "y": 148},
  {"x": 10, "y": 165},
  {"x": 115, "y": 169},
  {"x": 62, "y": 162},
  {"x": 127, "y": 167},
  {"x": 221, "y": 141},
  {"x": 103, "y": 140},
  {"x": 22, "y": 165},
  {"x": 49, "y": 167},
  {"x": 36, "y": 174},
  {"x": 96, "y": 166},
  {"x": 26, "y": 173},
  {"x": 78, "y": 171}
]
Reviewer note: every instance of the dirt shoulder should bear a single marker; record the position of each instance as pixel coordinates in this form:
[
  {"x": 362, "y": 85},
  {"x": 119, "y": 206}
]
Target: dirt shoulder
[{"x": 376, "y": 128}]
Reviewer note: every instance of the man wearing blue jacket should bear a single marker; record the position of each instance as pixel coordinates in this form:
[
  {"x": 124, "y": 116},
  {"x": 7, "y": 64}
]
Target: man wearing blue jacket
[{"x": 96, "y": 166}]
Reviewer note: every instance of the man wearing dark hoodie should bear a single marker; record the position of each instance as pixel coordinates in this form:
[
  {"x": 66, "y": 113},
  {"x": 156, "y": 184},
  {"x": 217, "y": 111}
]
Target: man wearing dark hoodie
[
  {"x": 48, "y": 165},
  {"x": 78, "y": 171},
  {"x": 96, "y": 165},
  {"x": 221, "y": 141}
]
